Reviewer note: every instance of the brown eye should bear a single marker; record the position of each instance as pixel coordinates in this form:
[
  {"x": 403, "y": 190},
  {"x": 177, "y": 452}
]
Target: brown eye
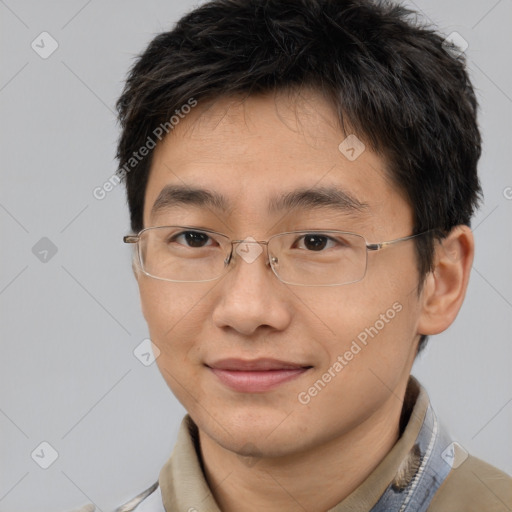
[
  {"x": 195, "y": 239},
  {"x": 315, "y": 242}
]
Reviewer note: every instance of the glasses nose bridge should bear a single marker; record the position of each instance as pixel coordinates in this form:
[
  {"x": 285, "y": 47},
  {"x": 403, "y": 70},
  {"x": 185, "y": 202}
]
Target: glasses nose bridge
[{"x": 248, "y": 240}]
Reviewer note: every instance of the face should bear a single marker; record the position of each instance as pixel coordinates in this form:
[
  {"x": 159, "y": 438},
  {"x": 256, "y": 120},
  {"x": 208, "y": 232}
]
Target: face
[{"x": 263, "y": 366}]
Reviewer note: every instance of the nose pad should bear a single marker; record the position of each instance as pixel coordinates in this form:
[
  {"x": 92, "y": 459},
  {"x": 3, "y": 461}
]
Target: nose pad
[
  {"x": 273, "y": 263},
  {"x": 249, "y": 250}
]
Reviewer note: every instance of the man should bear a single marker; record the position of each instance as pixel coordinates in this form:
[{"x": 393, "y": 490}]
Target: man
[{"x": 301, "y": 177}]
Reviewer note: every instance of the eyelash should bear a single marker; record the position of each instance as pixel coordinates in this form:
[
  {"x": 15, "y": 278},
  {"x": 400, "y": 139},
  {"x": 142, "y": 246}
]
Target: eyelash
[{"x": 174, "y": 237}]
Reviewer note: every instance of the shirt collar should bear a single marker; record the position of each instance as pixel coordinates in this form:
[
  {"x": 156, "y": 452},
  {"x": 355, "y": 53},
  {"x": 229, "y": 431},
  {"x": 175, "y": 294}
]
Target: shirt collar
[{"x": 406, "y": 479}]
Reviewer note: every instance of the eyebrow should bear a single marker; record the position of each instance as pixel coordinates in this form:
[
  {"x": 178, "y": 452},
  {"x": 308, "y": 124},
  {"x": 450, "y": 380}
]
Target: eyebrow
[
  {"x": 317, "y": 197},
  {"x": 180, "y": 195},
  {"x": 300, "y": 199}
]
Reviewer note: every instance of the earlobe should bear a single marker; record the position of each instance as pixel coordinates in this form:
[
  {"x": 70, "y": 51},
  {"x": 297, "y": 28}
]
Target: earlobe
[{"x": 445, "y": 287}]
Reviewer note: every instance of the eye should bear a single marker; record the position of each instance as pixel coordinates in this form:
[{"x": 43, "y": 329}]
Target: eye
[
  {"x": 315, "y": 242},
  {"x": 195, "y": 239}
]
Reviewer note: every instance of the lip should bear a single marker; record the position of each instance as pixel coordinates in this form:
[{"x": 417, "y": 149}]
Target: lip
[{"x": 257, "y": 375}]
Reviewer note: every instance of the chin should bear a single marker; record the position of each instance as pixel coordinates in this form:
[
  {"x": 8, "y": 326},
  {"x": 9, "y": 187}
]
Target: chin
[{"x": 252, "y": 431}]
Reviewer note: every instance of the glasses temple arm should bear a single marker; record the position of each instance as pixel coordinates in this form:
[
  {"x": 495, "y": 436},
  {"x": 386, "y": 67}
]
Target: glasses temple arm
[{"x": 381, "y": 245}]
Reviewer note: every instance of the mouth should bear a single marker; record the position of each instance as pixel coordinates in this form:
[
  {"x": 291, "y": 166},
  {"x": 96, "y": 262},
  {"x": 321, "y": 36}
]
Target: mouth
[{"x": 256, "y": 376}]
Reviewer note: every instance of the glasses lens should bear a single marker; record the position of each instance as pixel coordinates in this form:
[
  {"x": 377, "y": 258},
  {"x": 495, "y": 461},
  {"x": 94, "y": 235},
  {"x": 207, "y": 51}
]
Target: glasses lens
[
  {"x": 179, "y": 253},
  {"x": 325, "y": 258}
]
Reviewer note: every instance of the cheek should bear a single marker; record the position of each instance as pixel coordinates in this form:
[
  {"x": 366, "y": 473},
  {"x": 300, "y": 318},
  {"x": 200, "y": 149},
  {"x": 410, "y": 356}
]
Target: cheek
[
  {"x": 176, "y": 320},
  {"x": 365, "y": 361},
  {"x": 368, "y": 349},
  {"x": 175, "y": 317},
  {"x": 372, "y": 322}
]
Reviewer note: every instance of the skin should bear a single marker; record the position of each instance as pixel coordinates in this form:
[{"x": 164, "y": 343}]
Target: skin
[{"x": 267, "y": 451}]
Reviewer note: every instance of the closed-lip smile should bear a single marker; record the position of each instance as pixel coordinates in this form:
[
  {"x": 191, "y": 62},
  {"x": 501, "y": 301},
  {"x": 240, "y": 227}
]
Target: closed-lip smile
[{"x": 256, "y": 375}]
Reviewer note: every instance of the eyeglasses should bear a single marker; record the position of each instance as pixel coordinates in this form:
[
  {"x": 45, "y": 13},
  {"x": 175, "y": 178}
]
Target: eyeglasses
[{"x": 304, "y": 258}]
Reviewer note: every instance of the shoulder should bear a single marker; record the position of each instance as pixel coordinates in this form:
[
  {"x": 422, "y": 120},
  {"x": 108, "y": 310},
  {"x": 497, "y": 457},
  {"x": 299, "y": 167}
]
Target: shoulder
[{"x": 474, "y": 486}]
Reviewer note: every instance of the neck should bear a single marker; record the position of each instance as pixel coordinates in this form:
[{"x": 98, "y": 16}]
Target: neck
[{"x": 315, "y": 480}]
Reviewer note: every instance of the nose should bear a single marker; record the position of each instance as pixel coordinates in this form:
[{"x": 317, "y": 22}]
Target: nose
[{"x": 250, "y": 296}]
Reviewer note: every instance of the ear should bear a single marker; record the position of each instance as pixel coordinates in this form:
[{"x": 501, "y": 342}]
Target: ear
[{"x": 445, "y": 287}]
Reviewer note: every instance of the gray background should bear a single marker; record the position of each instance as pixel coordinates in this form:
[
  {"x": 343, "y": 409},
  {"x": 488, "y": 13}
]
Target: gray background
[{"x": 69, "y": 325}]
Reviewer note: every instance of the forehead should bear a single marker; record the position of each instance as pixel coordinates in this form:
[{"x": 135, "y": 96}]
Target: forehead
[{"x": 251, "y": 154}]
